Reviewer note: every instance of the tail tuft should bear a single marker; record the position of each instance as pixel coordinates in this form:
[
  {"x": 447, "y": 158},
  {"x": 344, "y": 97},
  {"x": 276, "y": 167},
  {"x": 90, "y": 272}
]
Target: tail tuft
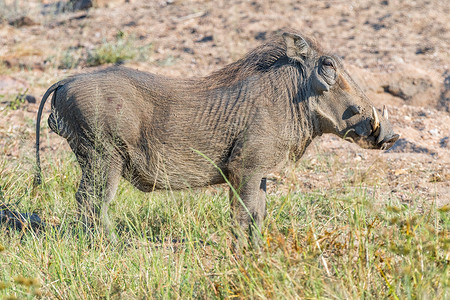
[{"x": 37, "y": 177}]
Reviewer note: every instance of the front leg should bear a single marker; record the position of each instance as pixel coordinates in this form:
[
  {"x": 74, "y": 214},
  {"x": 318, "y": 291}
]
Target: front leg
[{"x": 248, "y": 206}]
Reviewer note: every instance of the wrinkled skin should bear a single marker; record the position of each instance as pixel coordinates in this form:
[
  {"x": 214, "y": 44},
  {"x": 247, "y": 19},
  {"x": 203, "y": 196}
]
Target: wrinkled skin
[
  {"x": 341, "y": 107},
  {"x": 245, "y": 120},
  {"x": 345, "y": 111}
]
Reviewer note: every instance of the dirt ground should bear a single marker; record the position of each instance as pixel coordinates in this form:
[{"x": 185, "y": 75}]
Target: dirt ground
[{"x": 397, "y": 50}]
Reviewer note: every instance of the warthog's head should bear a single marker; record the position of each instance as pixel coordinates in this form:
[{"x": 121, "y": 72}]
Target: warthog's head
[{"x": 338, "y": 103}]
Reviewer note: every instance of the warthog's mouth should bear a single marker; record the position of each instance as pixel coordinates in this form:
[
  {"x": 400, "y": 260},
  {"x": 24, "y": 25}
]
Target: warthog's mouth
[
  {"x": 388, "y": 142},
  {"x": 380, "y": 138},
  {"x": 373, "y": 141}
]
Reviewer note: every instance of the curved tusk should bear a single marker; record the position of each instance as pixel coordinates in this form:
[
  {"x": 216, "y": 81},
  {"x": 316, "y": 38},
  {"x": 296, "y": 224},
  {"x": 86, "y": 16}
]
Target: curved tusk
[
  {"x": 375, "y": 120},
  {"x": 385, "y": 112}
]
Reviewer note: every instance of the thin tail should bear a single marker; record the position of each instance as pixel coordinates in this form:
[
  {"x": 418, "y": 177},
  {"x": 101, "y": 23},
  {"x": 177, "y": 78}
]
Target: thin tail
[{"x": 37, "y": 178}]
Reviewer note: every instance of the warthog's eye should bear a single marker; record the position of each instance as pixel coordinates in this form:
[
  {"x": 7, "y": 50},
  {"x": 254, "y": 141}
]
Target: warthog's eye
[
  {"x": 324, "y": 75},
  {"x": 328, "y": 63},
  {"x": 327, "y": 70}
]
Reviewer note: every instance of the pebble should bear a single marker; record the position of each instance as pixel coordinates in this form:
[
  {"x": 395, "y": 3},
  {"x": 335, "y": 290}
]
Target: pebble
[{"x": 434, "y": 132}]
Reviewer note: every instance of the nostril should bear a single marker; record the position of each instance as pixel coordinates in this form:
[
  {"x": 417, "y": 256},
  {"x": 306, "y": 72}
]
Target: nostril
[
  {"x": 351, "y": 111},
  {"x": 393, "y": 139},
  {"x": 389, "y": 141},
  {"x": 355, "y": 109}
]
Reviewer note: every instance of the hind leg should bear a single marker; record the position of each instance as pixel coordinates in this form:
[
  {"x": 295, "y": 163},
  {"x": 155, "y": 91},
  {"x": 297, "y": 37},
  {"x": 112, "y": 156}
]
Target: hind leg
[
  {"x": 98, "y": 186},
  {"x": 112, "y": 183}
]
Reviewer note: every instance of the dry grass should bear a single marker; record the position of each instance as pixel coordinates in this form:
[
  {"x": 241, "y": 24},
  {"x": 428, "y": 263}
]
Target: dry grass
[{"x": 338, "y": 242}]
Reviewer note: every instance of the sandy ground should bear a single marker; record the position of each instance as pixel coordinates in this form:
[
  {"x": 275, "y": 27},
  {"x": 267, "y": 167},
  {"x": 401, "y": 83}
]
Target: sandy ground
[{"x": 397, "y": 50}]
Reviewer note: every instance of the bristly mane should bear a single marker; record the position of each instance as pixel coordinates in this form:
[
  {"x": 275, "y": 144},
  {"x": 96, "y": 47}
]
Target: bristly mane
[{"x": 259, "y": 60}]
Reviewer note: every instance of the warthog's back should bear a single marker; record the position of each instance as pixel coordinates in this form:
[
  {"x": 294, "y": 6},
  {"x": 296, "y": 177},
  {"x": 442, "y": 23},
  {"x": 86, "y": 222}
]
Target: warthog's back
[{"x": 157, "y": 124}]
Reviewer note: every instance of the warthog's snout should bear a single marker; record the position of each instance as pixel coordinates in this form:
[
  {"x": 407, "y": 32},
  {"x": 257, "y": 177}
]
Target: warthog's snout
[
  {"x": 374, "y": 133},
  {"x": 389, "y": 141},
  {"x": 382, "y": 130}
]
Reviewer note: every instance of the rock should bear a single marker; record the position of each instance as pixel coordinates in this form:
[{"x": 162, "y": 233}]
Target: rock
[
  {"x": 23, "y": 21},
  {"x": 400, "y": 172},
  {"x": 80, "y": 4},
  {"x": 409, "y": 84},
  {"x": 188, "y": 50},
  {"x": 444, "y": 98},
  {"x": 444, "y": 142},
  {"x": 434, "y": 132},
  {"x": 29, "y": 98},
  {"x": 86, "y": 4},
  {"x": 405, "y": 146},
  {"x": 425, "y": 50},
  {"x": 408, "y": 87},
  {"x": 166, "y": 2},
  {"x": 261, "y": 36},
  {"x": 207, "y": 38},
  {"x": 19, "y": 221}
]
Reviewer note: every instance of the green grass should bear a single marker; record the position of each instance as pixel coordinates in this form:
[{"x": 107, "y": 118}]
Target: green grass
[
  {"x": 122, "y": 49},
  {"x": 334, "y": 243}
]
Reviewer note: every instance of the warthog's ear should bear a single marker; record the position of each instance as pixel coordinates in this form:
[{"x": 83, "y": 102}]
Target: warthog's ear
[{"x": 296, "y": 46}]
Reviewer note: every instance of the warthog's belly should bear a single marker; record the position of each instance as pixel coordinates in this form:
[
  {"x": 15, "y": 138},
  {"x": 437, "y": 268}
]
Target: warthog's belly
[{"x": 150, "y": 179}]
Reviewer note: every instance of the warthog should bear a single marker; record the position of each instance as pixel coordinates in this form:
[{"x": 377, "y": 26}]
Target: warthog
[{"x": 235, "y": 125}]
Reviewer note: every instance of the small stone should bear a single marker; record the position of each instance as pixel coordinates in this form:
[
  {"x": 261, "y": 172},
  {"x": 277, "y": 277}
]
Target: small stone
[
  {"x": 81, "y": 4},
  {"x": 434, "y": 132},
  {"x": 22, "y": 21},
  {"x": 261, "y": 36},
  {"x": 400, "y": 172},
  {"x": 425, "y": 50},
  {"x": 207, "y": 38},
  {"x": 398, "y": 59},
  {"x": 30, "y": 99},
  {"x": 188, "y": 50}
]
